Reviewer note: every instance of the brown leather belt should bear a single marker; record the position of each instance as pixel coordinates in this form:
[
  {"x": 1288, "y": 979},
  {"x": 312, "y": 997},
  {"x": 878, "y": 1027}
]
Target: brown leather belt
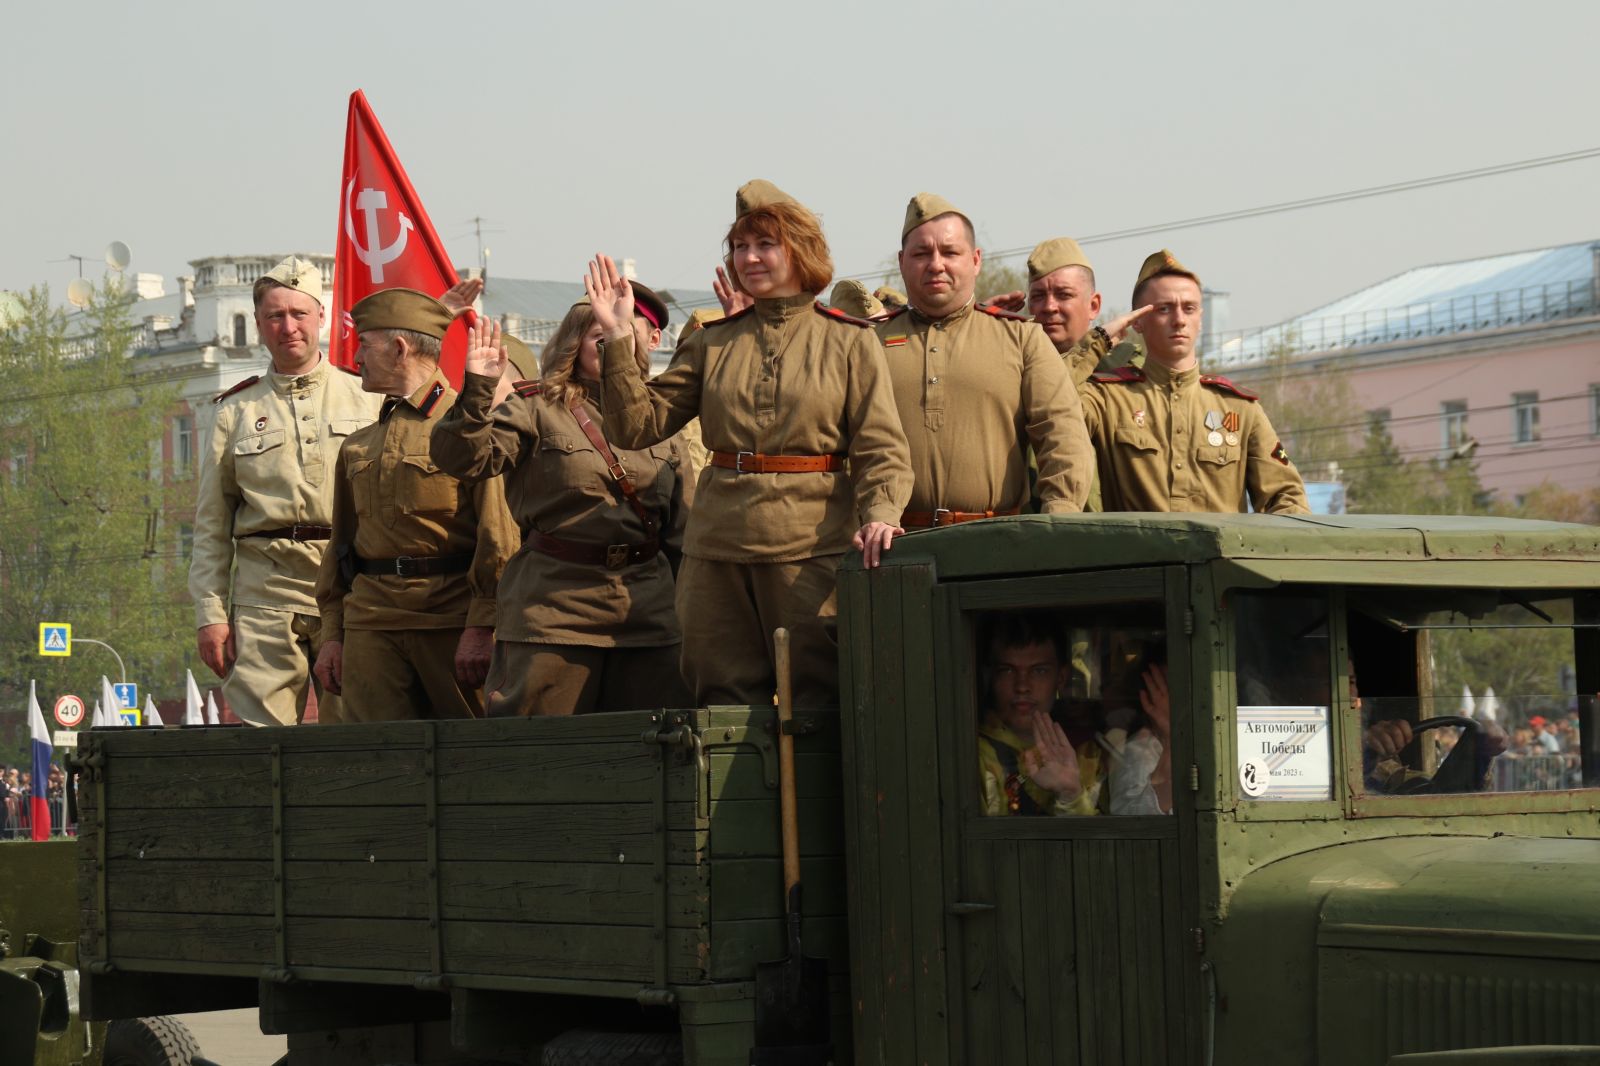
[
  {"x": 756, "y": 463},
  {"x": 610, "y": 556},
  {"x": 418, "y": 565},
  {"x": 943, "y": 517},
  {"x": 296, "y": 532}
]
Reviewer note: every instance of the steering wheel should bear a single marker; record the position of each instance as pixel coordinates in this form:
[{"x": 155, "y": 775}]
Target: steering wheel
[{"x": 1456, "y": 773}]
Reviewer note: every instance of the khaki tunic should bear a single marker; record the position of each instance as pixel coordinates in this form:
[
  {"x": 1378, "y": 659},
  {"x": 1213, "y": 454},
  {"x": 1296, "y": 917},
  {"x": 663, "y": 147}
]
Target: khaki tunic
[
  {"x": 1155, "y": 452},
  {"x": 974, "y": 390},
  {"x": 786, "y": 377},
  {"x": 270, "y": 465},
  {"x": 391, "y": 500},
  {"x": 557, "y": 484}
]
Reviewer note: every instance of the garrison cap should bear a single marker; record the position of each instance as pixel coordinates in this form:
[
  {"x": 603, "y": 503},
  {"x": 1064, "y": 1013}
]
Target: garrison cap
[
  {"x": 520, "y": 356},
  {"x": 648, "y": 306},
  {"x": 1052, "y": 255},
  {"x": 853, "y": 299},
  {"x": 699, "y": 318},
  {"x": 890, "y": 298},
  {"x": 924, "y": 207},
  {"x": 402, "y": 309},
  {"x": 1159, "y": 264},
  {"x": 298, "y": 274},
  {"x": 759, "y": 193}
]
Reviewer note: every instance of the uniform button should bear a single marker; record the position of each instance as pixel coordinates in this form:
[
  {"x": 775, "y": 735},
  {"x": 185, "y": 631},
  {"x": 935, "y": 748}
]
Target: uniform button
[
  {"x": 934, "y": 348},
  {"x": 311, "y": 440},
  {"x": 1178, "y": 464},
  {"x": 933, "y": 381},
  {"x": 305, "y": 418}
]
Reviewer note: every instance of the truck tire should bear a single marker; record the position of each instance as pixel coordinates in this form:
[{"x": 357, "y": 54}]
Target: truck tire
[
  {"x": 149, "y": 1042},
  {"x": 589, "y": 1047}
]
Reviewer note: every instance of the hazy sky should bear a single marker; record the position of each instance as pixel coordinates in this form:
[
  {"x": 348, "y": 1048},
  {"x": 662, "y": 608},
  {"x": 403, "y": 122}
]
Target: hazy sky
[{"x": 196, "y": 129}]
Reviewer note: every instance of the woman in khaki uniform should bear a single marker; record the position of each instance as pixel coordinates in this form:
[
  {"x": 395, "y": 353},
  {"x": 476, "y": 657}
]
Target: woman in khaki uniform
[
  {"x": 586, "y": 620},
  {"x": 786, "y": 392}
]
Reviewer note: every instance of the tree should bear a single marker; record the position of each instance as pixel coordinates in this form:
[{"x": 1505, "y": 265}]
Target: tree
[
  {"x": 995, "y": 278},
  {"x": 81, "y": 535}
]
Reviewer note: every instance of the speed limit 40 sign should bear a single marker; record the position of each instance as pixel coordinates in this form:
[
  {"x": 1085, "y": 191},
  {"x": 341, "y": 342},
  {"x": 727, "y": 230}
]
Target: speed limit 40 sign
[{"x": 69, "y": 711}]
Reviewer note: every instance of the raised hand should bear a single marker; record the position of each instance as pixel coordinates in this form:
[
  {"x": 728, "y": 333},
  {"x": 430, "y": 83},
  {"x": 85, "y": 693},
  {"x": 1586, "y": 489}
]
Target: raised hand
[
  {"x": 728, "y": 295},
  {"x": 610, "y": 296},
  {"x": 1051, "y": 763},
  {"x": 486, "y": 354},
  {"x": 462, "y": 295},
  {"x": 1015, "y": 302},
  {"x": 1117, "y": 328}
]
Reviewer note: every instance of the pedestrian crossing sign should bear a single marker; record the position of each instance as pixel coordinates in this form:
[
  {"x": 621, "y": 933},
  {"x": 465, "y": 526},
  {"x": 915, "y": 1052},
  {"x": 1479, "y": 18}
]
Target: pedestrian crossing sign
[{"x": 55, "y": 638}]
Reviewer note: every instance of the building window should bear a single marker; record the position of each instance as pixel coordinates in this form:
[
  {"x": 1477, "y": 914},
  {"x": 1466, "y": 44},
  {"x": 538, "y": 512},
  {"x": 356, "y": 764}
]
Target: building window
[
  {"x": 186, "y": 542},
  {"x": 1524, "y": 417},
  {"x": 240, "y": 336},
  {"x": 183, "y": 445},
  {"x": 1453, "y": 422},
  {"x": 19, "y": 468}
]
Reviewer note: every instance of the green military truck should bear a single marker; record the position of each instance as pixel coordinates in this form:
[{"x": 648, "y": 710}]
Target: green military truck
[{"x": 606, "y": 888}]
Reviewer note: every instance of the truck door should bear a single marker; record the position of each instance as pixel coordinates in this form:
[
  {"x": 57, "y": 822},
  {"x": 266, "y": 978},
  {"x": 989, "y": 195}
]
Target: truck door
[{"x": 1070, "y": 924}]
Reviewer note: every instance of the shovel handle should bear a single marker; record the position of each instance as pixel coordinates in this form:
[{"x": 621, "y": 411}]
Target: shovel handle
[{"x": 788, "y": 805}]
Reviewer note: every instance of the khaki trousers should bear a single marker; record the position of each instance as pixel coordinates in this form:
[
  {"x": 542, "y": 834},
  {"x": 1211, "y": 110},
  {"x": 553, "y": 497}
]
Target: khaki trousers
[
  {"x": 272, "y": 668},
  {"x": 538, "y": 679},
  {"x": 393, "y": 675},
  {"x": 728, "y": 612}
]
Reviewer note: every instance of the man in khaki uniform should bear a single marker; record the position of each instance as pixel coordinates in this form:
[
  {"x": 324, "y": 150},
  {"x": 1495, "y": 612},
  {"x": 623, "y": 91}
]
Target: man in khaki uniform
[
  {"x": 407, "y": 587},
  {"x": 1062, "y": 298},
  {"x": 1167, "y": 437},
  {"x": 265, "y": 504},
  {"x": 975, "y": 386}
]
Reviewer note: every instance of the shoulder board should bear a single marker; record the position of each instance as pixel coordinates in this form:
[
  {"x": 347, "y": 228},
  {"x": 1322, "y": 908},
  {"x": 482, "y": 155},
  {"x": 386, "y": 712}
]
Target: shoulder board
[
  {"x": 896, "y": 313},
  {"x": 528, "y": 388},
  {"x": 1227, "y": 386},
  {"x": 725, "y": 319},
  {"x": 997, "y": 313},
  {"x": 430, "y": 401},
  {"x": 1123, "y": 375},
  {"x": 245, "y": 384},
  {"x": 833, "y": 312}
]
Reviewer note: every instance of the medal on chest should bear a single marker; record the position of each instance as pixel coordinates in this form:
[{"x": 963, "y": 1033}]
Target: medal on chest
[
  {"x": 261, "y": 423},
  {"x": 1138, "y": 418},
  {"x": 1214, "y": 424}
]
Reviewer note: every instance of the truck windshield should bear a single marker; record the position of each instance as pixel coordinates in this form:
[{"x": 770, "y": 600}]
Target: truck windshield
[{"x": 1461, "y": 691}]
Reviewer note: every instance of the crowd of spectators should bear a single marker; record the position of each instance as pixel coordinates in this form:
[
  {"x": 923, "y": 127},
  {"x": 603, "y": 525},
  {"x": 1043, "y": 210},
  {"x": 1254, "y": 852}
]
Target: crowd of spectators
[{"x": 16, "y": 788}]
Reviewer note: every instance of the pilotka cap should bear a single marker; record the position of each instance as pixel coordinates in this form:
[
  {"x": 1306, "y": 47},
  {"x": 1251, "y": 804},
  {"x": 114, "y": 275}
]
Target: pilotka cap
[
  {"x": 298, "y": 274},
  {"x": 756, "y": 194},
  {"x": 1159, "y": 264},
  {"x": 924, "y": 207},
  {"x": 1050, "y": 256},
  {"x": 402, "y": 309},
  {"x": 853, "y": 299}
]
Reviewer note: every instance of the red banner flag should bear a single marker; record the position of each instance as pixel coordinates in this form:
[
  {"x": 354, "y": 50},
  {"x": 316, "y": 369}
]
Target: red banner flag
[{"x": 385, "y": 239}]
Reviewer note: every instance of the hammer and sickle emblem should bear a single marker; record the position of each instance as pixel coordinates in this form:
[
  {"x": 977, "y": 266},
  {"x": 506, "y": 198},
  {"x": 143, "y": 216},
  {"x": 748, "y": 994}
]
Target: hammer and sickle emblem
[{"x": 370, "y": 202}]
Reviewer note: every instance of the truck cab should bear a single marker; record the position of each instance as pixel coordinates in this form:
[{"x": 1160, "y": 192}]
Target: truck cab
[{"x": 1329, "y": 857}]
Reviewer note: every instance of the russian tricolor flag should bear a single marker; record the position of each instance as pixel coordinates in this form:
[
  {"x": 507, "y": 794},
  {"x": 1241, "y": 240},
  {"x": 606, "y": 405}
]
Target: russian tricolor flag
[{"x": 39, "y": 793}]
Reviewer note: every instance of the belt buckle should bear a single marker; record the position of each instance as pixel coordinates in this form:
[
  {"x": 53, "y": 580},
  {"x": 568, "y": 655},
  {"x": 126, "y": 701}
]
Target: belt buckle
[
  {"x": 738, "y": 462},
  {"x": 616, "y": 471},
  {"x": 294, "y": 532},
  {"x": 948, "y": 518},
  {"x": 617, "y": 556},
  {"x": 405, "y": 566}
]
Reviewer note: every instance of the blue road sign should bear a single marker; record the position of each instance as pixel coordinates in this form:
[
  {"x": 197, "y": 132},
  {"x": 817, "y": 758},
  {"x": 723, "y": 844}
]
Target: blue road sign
[{"x": 127, "y": 696}]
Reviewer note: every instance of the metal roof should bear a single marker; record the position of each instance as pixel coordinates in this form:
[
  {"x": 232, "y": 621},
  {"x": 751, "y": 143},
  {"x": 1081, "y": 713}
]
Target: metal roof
[
  {"x": 1417, "y": 543},
  {"x": 1493, "y": 292},
  {"x": 548, "y": 301}
]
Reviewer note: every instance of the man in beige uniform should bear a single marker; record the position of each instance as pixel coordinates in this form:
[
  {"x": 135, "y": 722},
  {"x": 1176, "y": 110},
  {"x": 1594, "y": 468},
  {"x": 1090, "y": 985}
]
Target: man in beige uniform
[
  {"x": 1167, "y": 437},
  {"x": 975, "y": 386},
  {"x": 265, "y": 503},
  {"x": 1061, "y": 297},
  {"x": 407, "y": 587}
]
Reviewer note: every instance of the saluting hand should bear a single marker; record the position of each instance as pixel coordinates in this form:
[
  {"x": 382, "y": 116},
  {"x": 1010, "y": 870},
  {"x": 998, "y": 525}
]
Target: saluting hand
[
  {"x": 873, "y": 539},
  {"x": 1015, "y": 301},
  {"x": 1117, "y": 328},
  {"x": 462, "y": 295},
  {"x": 728, "y": 295},
  {"x": 610, "y": 296},
  {"x": 486, "y": 353}
]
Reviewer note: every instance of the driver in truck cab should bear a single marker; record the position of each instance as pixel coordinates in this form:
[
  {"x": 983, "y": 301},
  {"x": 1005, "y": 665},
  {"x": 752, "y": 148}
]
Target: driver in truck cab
[{"x": 1031, "y": 763}]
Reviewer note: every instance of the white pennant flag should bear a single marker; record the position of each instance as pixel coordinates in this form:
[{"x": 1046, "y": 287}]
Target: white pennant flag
[
  {"x": 108, "y": 700},
  {"x": 151, "y": 715},
  {"x": 192, "y": 707},
  {"x": 211, "y": 710},
  {"x": 97, "y": 719}
]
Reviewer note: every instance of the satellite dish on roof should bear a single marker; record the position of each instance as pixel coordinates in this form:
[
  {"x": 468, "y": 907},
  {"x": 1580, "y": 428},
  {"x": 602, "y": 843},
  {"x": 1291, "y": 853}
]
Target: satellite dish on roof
[
  {"x": 79, "y": 292},
  {"x": 11, "y": 310},
  {"x": 117, "y": 256}
]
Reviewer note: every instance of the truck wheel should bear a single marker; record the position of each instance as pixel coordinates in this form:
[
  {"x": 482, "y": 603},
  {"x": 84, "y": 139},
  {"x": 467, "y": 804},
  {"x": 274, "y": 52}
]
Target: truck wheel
[
  {"x": 149, "y": 1042},
  {"x": 587, "y": 1047}
]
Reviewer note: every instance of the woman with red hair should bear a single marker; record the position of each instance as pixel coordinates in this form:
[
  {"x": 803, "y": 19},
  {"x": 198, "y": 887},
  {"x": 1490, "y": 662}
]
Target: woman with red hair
[{"x": 807, "y": 455}]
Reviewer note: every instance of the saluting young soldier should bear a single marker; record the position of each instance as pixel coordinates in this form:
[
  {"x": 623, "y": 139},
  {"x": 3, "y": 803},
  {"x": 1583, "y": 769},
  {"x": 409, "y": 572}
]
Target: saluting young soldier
[
  {"x": 264, "y": 506},
  {"x": 1167, "y": 437},
  {"x": 586, "y": 619},
  {"x": 407, "y": 587},
  {"x": 787, "y": 391},
  {"x": 975, "y": 386}
]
